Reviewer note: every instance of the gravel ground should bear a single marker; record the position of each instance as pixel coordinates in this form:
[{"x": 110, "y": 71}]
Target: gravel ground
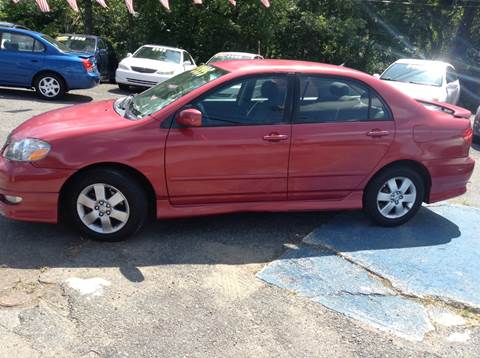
[{"x": 182, "y": 288}]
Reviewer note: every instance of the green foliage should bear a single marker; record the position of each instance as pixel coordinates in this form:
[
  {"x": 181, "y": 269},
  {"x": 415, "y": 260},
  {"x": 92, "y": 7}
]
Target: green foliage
[{"x": 363, "y": 34}]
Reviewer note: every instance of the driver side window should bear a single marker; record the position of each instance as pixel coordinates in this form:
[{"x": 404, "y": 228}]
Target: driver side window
[{"x": 251, "y": 101}]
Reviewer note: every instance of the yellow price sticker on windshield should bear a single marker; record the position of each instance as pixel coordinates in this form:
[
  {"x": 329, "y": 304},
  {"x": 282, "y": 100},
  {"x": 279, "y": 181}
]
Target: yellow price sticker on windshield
[{"x": 202, "y": 70}]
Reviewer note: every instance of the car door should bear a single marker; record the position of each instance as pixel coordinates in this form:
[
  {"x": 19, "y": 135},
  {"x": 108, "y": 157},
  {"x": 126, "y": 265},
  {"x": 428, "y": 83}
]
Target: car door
[
  {"x": 21, "y": 57},
  {"x": 341, "y": 130},
  {"x": 241, "y": 151},
  {"x": 188, "y": 63},
  {"x": 453, "y": 86},
  {"x": 102, "y": 61}
]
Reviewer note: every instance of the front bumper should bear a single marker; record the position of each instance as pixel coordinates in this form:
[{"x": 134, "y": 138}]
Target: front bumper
[
  {"x": 39, "y": 189},
  {"x": 134, "y": 78}
]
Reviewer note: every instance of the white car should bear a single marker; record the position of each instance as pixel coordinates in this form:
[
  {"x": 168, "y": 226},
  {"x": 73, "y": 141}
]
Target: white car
[
  {"x": 224, "y": 56},
  {"x": 151, "y": 65},
  {"x": 424, "y": 79}
]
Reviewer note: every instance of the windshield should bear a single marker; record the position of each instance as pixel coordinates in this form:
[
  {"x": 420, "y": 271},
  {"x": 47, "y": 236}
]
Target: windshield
[
  {"x": 158, "y": 97},
  {"x": 78, "y": 43},
  {"x": 414, "y": 73},
  {"x": 158, "y": 53},
  {"x": 226, "y": 57},
  {"x": 56, "y": 44}
]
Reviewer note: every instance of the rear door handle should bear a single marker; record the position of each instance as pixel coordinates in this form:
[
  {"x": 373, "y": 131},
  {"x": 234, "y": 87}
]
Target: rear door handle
[
  {"x": 275, "y": 137},
  {"x": 377, "y": 133},
  {"x": 34, "y": 60}
]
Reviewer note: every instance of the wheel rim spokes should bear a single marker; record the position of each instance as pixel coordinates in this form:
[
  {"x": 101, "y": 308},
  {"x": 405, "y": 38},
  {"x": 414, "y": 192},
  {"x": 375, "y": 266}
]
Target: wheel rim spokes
[
  {"x": 103, "y": 208},
  {"x": 396, "y": 197},
  {"x": 49, "y": 86}
]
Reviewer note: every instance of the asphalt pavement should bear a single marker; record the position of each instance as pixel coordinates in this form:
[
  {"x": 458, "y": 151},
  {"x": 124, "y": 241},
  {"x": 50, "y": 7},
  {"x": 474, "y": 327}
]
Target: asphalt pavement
[{"x": 184, "y": 288}]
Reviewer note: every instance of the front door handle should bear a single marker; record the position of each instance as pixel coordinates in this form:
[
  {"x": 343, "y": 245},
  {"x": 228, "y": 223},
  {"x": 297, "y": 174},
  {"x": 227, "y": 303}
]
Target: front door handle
[
  {"x": 275, "y": 137},
  {"x": 34, "y": 60},
  {"x": 377, "y": 133}
]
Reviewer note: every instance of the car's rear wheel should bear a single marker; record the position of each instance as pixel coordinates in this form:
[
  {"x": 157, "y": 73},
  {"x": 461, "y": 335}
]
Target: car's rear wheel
[
  {"x": 394, "y": 196},
  {"x": 107, "y": 205},
  {"x": 50, "y": 86}
]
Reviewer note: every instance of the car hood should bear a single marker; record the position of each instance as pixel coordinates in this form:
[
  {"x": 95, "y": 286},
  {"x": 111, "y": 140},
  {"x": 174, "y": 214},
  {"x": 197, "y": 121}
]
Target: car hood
[
  {"x": 418, "y": 91},
  {"x": 75, "y": 120},
  {"x": 154, "y": 64}
]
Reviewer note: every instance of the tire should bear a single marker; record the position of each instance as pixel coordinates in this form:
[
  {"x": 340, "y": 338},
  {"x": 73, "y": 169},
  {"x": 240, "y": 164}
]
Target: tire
[
  {"x": 123, "y": 87},
  {"x": 394, "y": 196},
  {"x": 107, "y": 205},
  {"x": 50, "y": 86}
]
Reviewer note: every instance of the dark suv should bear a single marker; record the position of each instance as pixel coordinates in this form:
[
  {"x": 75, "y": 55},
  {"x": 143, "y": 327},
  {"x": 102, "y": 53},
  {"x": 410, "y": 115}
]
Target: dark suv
[{"x": 103, "y": 51}]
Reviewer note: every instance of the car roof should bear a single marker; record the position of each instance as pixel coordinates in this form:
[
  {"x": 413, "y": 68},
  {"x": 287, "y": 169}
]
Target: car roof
[
  {"x": 414, "y": 61},
  {"x": 80, "y": 35},
  {"x": 20, "y": 30},
  {"x": 236, "y": 54},
  {"x": 166, "y": 47},
  {"x": 286, "y": 66}
]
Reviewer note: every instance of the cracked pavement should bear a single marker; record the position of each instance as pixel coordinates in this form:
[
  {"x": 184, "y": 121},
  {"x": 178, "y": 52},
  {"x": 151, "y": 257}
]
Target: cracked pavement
[{"x": 181, "y": 288}]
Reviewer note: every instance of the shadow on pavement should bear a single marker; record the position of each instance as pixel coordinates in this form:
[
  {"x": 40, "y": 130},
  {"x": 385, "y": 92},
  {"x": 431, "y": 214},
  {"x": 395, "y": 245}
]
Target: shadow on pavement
[
  {"x": 30, "y": 96},
  {"x": 426, "y": 229},
  {"x": 228, "y": 239},
  {"x": 126, "y": 93}
]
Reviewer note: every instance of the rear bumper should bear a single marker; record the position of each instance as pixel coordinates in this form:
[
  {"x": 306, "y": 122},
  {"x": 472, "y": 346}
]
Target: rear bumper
[
  {"x": 84, "y": 81},
  {"x": 449, "y": 177},
  {"x": 39, "y": 189},
  {"x": 133, "y": 78}
]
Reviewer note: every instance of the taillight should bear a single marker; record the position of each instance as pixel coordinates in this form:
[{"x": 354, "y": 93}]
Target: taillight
[
  {"x": 468, "y": 136},
  {"x": 88, "y": 65}
]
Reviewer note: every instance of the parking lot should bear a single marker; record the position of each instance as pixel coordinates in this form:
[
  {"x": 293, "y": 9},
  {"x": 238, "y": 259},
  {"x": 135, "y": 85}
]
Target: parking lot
[{"x": 184, "y": 287}]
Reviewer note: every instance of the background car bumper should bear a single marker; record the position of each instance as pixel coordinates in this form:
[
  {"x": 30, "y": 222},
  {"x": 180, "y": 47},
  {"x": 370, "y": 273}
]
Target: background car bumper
[
  {"x": 39, "y": 189},
  {"x": 83, "y": 81},
  {"x": 139, "y": 79}
]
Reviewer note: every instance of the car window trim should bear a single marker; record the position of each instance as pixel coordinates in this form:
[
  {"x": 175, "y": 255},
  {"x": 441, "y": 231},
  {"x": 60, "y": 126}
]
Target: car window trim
[
  {"x": 287, "y": 115},
  {"x": 371, "y": 92}
]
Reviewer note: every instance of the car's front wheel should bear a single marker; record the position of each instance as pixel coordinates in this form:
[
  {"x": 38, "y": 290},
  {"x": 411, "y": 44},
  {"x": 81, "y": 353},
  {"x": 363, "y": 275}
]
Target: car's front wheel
[
  {"x": 49, "y": 86},
  {"x": 394, "y": 196},
  {"x": 107, "y": 205}
]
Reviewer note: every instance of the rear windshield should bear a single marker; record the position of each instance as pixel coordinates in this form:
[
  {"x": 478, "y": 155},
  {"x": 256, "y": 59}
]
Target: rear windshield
[
  {"x": 56, "y": 44},
  {"x": 78, "y": 43}
]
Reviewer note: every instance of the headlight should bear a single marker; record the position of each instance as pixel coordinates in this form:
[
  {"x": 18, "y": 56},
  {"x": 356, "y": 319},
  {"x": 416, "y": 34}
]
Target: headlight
[
  {"x": 27, "y": 150},
  {"x": 123, "y": 67},
  {"x": 162, "y": 72}
]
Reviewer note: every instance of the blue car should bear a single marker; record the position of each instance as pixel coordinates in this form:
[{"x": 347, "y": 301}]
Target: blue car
[{"x": 33, "y": 60}]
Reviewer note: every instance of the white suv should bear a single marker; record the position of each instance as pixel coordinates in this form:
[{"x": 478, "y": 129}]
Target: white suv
[{"x": 151, "y": 65}]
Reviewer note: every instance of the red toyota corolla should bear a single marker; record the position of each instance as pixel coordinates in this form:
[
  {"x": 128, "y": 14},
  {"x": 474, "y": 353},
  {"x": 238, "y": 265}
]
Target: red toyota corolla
[{"x": 237, "y": 136}]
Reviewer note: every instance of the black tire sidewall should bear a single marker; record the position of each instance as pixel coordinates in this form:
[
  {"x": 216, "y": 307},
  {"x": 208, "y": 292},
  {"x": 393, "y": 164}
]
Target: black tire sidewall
[
  {"x": 370, "y": 197},
  {"x": 60, "y": 80},
  {"x": 130, "y": 188}
]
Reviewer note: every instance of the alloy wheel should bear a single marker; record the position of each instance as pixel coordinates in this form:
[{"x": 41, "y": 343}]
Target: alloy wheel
[
  {"x": 103, "y": 208},
  {"x": 396, "y": 197},
  {"x": 49, "y": 86}
]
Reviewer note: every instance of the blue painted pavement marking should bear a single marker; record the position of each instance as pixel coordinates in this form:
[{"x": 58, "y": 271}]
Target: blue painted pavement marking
[
  {"x": 347, "y": 288},
  {"x": 436, "y": 254}
]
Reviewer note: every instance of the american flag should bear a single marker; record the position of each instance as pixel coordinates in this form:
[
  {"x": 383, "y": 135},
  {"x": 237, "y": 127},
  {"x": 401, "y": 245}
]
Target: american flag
[
  {"x": 102, "y": 3},
  {"x": 198, "y": 2},
  {"x": 265, "y": 3},
  {"x": 73, "y": 4},
  {"x": 43, "y": 5},
  {"x": 233, "y": 2},
  {"x": 16, "y": 1},
  {"x": 165, "y": 4},
  {"x": 130, "y": 8}
]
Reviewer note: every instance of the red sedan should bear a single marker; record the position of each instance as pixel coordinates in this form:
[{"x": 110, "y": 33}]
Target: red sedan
[{"x": 262, "y": 135}]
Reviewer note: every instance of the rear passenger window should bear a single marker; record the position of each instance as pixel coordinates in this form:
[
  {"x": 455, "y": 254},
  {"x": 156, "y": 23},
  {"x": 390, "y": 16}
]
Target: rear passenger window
[
  {"x": 16, "y": 42},
  {"x": 338, "y": 100}
]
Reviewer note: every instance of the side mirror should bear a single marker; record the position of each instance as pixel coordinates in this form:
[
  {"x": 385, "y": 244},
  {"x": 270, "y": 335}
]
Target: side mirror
[
  {"x": 190, "y": 117},
  {"x": 129, "y": 54},
  {"x": 376, "y": 75}
]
